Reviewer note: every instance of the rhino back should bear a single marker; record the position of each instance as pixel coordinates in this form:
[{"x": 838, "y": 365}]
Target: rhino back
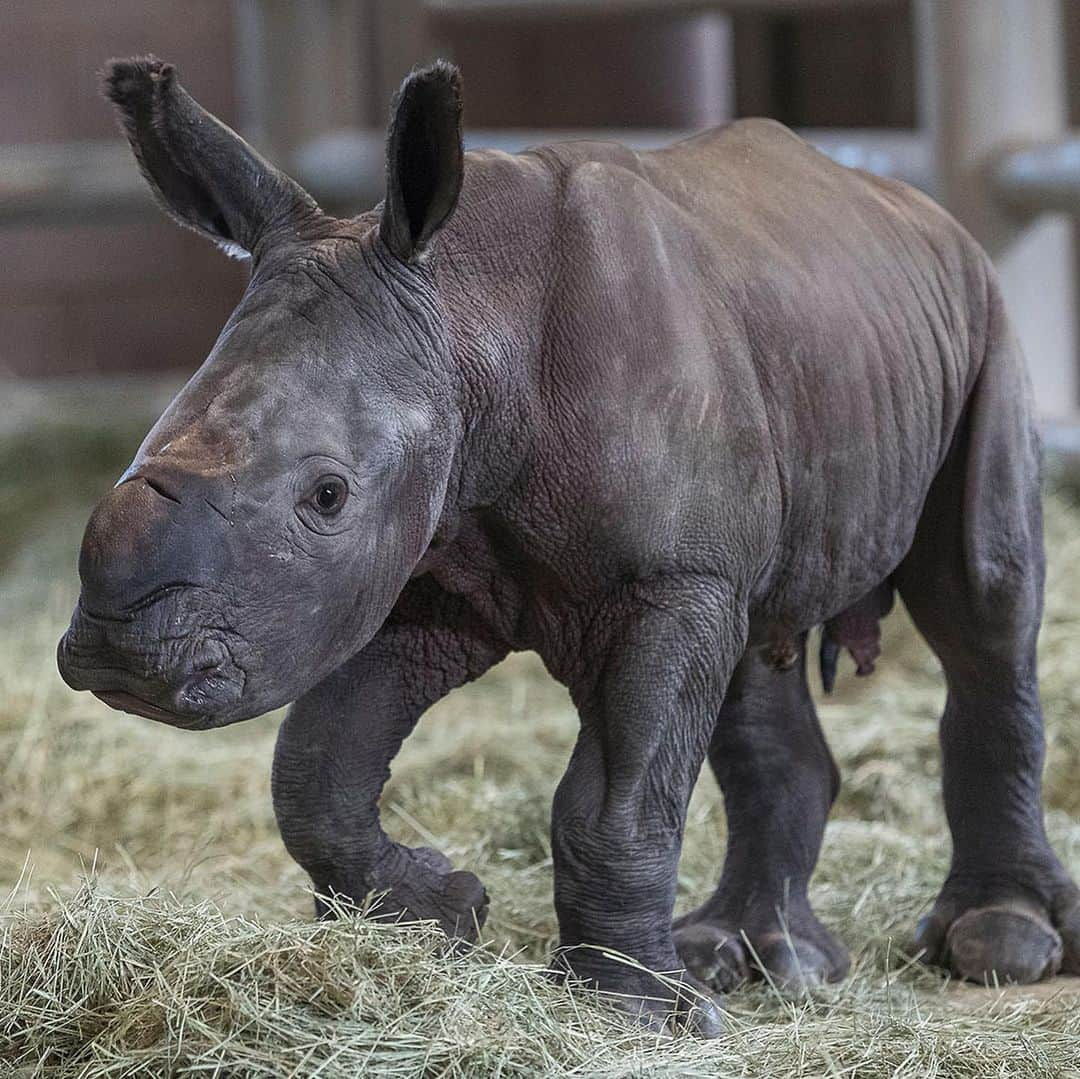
[{"x": 749, "y": 363}]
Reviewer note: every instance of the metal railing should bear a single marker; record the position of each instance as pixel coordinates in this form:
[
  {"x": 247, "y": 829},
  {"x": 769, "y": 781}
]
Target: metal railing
[
  {"x": 74, "y": 181},
  {"x": 993, "y": 143}
]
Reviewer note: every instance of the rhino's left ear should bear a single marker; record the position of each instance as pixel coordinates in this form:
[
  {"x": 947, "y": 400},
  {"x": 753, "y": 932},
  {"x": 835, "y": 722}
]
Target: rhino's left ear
[
  {"x": 424, "y": 159},
  {"x": 202, "y": 173}
]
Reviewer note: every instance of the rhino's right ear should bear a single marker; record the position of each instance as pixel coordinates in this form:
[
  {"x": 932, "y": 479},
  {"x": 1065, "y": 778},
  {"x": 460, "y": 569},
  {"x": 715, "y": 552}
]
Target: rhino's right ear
[
  {"x": 424, "y": 159},
  {"x": 201, "y": 172}
]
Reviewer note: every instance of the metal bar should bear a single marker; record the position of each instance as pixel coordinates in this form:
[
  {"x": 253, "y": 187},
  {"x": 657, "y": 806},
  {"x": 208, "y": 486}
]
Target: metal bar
[
  {"x": 1061, "y": 439},
  {"x": 71, "y": 181},
  {"x": 1040, "y": 177},
  {"x": 541, "y": 8},
  {"x": 77, "y": 181},
  {"x": 285, "y": 53},
  {"x": 903, "y": 155},
  {"x": 997, "y": 68}
]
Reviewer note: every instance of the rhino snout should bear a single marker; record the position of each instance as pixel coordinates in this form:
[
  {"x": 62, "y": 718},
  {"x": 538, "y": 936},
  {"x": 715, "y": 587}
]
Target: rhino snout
[
  {"x": 147, "y": 635},
  {"x": 187, "y": 680}
]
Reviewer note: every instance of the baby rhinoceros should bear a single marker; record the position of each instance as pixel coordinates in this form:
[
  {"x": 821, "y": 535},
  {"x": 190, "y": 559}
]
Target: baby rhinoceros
[{"x": 652, "y": 415}]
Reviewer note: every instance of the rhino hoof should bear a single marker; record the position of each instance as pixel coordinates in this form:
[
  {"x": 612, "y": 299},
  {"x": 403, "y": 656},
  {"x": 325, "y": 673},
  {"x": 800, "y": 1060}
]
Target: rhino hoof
[
  {"x": 698, "y": 1014},
  {"x": 1003, "y": 944},
  {"x": 464, "y": 905},
  {"x": 793, "y": 964}
]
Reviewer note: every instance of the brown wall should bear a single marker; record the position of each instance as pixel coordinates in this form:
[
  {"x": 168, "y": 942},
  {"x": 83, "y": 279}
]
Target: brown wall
[
  {"x": 97, "y": 296},
  {"x": 141, "y": 293},
  {"x": 592, "y": 71},
  {"x": 831, "y": 68}
]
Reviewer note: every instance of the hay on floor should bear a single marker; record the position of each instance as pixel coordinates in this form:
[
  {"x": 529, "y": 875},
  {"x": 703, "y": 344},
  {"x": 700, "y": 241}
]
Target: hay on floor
[{"x": 157, "y": 925}]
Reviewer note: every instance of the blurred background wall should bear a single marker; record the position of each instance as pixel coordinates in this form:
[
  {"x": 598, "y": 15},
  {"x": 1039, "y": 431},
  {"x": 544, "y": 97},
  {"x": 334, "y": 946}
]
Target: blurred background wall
[
  {"x": 93, "y": 279},
  {"x": 104, "y": 292}
]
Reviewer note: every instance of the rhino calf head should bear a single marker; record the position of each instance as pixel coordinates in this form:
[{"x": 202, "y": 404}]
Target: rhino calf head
[{"x": 276, "y": 510}]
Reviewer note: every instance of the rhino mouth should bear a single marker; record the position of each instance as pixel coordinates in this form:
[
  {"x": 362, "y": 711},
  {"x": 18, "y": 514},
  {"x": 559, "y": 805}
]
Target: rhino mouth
[
  {"x": 189, "y": 680},
  {"x": 128, "y": 702},
  {"x": 201, "y": 702}
]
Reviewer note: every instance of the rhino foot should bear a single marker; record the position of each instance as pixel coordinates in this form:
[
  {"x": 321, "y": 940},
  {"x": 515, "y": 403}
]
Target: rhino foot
[
  {"x": 1013, "y": 939},
  {"x": 696, "y": 1011},
  {"x": 420, "y": 884},
  {"x": 423, "y": 886},
  {"x": 794, "y": 960},
  {"x": 662, "y": 1003}
]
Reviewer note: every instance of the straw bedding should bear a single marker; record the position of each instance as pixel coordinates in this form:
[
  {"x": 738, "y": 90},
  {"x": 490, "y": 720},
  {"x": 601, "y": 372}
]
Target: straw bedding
[{"x": 156, "y": 926}]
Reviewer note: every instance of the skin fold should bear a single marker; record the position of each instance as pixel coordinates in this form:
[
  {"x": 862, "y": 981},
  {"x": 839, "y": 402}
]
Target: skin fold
[{"x": 652, "y": 415}]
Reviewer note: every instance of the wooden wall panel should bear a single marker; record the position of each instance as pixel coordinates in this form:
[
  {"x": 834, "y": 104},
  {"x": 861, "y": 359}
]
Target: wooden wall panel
[
  {"x": 593, "y": 71},
  {"x": 97, "y": 296}
]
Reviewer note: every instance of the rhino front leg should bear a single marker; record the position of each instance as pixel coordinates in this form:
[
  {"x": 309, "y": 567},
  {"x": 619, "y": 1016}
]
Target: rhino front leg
[
  {"x": 333, "y": 758},
  {"x": 620, "y": 808}
]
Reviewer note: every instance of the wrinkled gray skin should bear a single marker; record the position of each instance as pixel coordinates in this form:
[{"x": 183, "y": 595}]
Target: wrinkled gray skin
[{"x": 653, "y": 415}]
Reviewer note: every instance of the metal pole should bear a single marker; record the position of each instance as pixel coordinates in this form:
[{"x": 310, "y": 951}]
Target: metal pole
[
  {"x": 1043, "y": 176},
  {"x": 301, "y": 70},
  {"x": 995, "y": 71}
]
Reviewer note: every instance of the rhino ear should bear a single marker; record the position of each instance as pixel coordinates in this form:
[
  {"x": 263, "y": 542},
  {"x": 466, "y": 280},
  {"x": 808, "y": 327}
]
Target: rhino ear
[
  {"x": 424, "y": 159},
  {"x": 201, "y": 172}
]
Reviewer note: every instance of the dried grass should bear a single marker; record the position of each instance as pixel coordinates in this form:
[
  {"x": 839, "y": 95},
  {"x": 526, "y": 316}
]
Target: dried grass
[{"x": 157, "y": 926}]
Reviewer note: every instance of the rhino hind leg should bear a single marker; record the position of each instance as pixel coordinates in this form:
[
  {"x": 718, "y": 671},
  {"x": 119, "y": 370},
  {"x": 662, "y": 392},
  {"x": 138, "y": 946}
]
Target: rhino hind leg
[
  {"x": 972, "y": 582},
  {"x": 779, "y": 781}
]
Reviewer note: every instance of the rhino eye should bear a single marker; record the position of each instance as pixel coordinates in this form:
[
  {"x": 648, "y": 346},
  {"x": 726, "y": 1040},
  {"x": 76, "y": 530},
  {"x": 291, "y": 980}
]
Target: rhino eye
[{"x": 329, "y": 495}]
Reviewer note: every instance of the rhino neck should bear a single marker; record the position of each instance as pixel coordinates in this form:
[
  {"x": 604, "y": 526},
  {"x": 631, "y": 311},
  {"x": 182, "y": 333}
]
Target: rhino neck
[{"x": 493, "y": 266}]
